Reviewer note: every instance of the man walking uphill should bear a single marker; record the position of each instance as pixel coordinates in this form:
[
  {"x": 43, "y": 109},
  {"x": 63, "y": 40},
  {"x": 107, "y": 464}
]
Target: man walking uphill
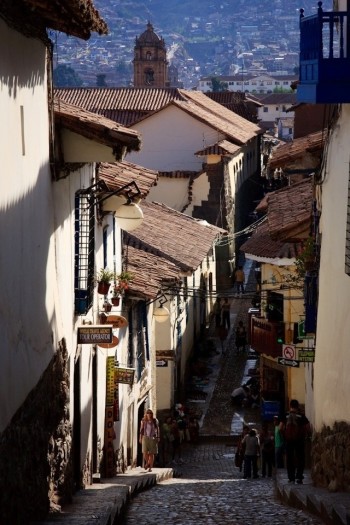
[
  {"x": 296, "y": 429},
  {"x": 239, "y": 280}
]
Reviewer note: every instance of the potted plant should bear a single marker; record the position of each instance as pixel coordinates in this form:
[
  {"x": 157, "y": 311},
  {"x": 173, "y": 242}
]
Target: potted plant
[
  {"x": 104, "y": 279},
  {"x": 121, "y": 286}
]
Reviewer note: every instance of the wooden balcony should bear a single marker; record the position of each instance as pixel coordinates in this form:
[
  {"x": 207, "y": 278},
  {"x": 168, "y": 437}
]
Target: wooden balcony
[
  {"x": 264, "y": 335},
  {"x": 324, "y": 76}
]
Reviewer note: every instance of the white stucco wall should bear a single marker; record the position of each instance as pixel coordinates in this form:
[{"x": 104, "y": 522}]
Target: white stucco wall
[
  {"x": 332, "y": 364},
  {"x": 168, "y": 147},
  {"x": 28, "y": 322},
  {"x": 172, "y": 192}
]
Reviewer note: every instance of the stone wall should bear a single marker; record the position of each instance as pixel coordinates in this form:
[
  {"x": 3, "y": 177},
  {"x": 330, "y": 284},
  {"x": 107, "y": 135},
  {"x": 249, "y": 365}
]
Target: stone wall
[
  {"x": 331, "y": 458},
  {"x": 35, "y": 449}
]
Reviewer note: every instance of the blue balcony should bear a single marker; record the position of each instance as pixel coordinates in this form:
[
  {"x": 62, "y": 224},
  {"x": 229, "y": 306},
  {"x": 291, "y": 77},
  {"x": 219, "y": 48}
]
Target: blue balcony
[{"x": 324, "y": 76}]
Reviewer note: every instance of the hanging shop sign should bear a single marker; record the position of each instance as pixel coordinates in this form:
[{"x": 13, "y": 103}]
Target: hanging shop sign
[
  {"x": 88, "y": 335},
  {"x": 109, "y": 419},
  {"x": 124, "y": 375},
  {"x": 118, "y": 321}
]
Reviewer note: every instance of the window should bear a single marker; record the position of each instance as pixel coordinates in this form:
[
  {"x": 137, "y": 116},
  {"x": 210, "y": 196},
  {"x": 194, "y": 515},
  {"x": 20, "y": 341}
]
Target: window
[
  {"x": 266, "y": 109},
  {"x": 253, "y": 83},
  {"x": 149, "y": 76},
  {"x": 138, "y": 344},
  {"x": 277, "y": 83},
  {"x": 148, "y": 56},
  {"x": 84, "y": 253},
  {"x": 277, "y": 108}
]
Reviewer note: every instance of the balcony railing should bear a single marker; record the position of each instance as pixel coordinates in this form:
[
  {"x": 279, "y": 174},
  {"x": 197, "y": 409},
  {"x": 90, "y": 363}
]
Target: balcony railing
[
  {"x": 264, "y": 335},
  {"x": 324, "y": 64}
]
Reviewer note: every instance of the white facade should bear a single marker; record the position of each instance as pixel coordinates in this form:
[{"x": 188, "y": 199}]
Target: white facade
[
  {"x": 168, "y": 147},
  {"x": 332, "y": 366},
  {"x": 27, "y": 265},
  {"x": 250, "y": 84}
]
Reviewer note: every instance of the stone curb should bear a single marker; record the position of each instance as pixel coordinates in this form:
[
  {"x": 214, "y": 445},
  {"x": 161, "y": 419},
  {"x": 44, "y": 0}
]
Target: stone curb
[
  {"x": 103, "y": 503},
  {"x": 330, "y": 508}
]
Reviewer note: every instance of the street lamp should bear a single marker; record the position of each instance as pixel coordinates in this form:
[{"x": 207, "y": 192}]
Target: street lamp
[
  {"x": 123, "y": 202},
  {"x": 161, "y": 313}
]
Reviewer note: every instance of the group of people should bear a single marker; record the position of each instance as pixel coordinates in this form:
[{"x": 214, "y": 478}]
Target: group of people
[
  {"x": 166, "y": 440},
  {"x": 286, "y": 442}
]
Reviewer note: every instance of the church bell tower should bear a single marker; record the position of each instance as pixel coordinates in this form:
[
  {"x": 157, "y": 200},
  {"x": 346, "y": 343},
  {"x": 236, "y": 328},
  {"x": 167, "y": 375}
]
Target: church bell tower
[{"x": 150, "y": 63}]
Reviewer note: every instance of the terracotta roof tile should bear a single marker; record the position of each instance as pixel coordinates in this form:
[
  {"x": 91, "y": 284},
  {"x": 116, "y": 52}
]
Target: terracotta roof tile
[
  {"x": 124, "y": 105},
  {"x": 234, "y": 101},
  {"x": 174, "y": 236},
  {"x": 224, "y": 147},
  {"x": 117, "y": 175},
  {"x": 263, "y": 248},
  {"x": 151, "y": 272},
  {"x": 95, "y": 127},
  {"x": 296, "y": 150},
  {"x": 130, "y": 105},
  {"x": 290, "y": 211}
]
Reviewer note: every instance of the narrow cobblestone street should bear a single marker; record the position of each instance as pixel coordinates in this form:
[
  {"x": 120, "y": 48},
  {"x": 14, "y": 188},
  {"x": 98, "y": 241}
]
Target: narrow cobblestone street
[{"x": 212, "y": 491}]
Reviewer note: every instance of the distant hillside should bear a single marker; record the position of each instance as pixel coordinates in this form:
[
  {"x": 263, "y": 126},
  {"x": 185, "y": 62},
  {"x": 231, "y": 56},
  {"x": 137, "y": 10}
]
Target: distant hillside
[{"x": 206, "y": 38}]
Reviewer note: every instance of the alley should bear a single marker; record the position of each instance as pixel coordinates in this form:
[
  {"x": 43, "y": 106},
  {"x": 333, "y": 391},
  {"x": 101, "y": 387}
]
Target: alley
[
  {"x": 211, "y": 490},
  {"x": 207, "y": 488}
]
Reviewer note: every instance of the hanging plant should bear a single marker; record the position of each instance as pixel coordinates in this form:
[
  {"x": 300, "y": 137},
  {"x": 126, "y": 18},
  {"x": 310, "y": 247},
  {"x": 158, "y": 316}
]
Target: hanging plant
[
  {"x": 104, "y": 279},
  {"x": 122, "y": 283}
]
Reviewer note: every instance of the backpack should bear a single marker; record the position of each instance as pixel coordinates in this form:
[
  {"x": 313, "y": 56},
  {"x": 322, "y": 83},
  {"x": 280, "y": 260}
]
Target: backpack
[{"x": 294, "y": 427}]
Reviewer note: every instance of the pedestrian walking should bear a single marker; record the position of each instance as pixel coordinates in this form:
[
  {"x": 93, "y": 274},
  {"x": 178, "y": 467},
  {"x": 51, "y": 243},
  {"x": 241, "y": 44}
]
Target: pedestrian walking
[
  {"x": 239, "y": 280},
  {"x": 296, "y": 429},
  {"x": 226, "y": 307},
  {"x": 251, "y": 454},
  {"x": 279, "y": 442},
  {"x": 217, "y": 312},
  {"x": 266, "y": 438},
  {"x": 239, "y": 455},
  {"x": 149, "y": 438},
  {"x": 241, "y": 338},
  {"x": 165, "y": 442}
]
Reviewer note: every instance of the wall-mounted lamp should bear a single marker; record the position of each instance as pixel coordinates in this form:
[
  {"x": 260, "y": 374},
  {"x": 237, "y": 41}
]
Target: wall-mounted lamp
[
  {"x": 161, "y": 313},
  {"x": 123, "y": 202}
]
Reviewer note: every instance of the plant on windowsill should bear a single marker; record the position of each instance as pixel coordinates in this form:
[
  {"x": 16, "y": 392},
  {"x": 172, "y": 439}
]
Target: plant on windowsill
[{"x": 104, "y": 279}]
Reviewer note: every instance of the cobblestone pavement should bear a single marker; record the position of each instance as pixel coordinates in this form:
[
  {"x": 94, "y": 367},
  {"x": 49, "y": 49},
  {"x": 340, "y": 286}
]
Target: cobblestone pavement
[{"x": 210, "y": 490}]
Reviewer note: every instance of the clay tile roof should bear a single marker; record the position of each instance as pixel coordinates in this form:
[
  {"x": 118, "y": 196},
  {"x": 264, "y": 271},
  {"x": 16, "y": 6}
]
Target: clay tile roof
[
  {"x": 263, "y": 248},
  {"x": 151, "y": 272},
  {"x": 74, "y": 17},
  {"x": 296, "y": 149},
  {"x": 117, "y": 175},
  {"x": 124, "y": 105},
  {"x": 236, "y": 128},
  {"x": 95, "y": 127},
  {"x": 224, "y": 147},
  {"x": 234, "y": 101},
  {"x": 278, "y": 98},
  {"x": 173, "y": 235},
  {"x": 290, "y": 211}
]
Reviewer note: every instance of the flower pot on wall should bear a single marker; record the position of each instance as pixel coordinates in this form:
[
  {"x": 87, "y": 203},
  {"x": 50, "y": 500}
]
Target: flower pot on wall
[
  {"x": 107, "y": 307},
  {"x": 115, "y": 301},
  {"x": 103, "y": 287}
]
